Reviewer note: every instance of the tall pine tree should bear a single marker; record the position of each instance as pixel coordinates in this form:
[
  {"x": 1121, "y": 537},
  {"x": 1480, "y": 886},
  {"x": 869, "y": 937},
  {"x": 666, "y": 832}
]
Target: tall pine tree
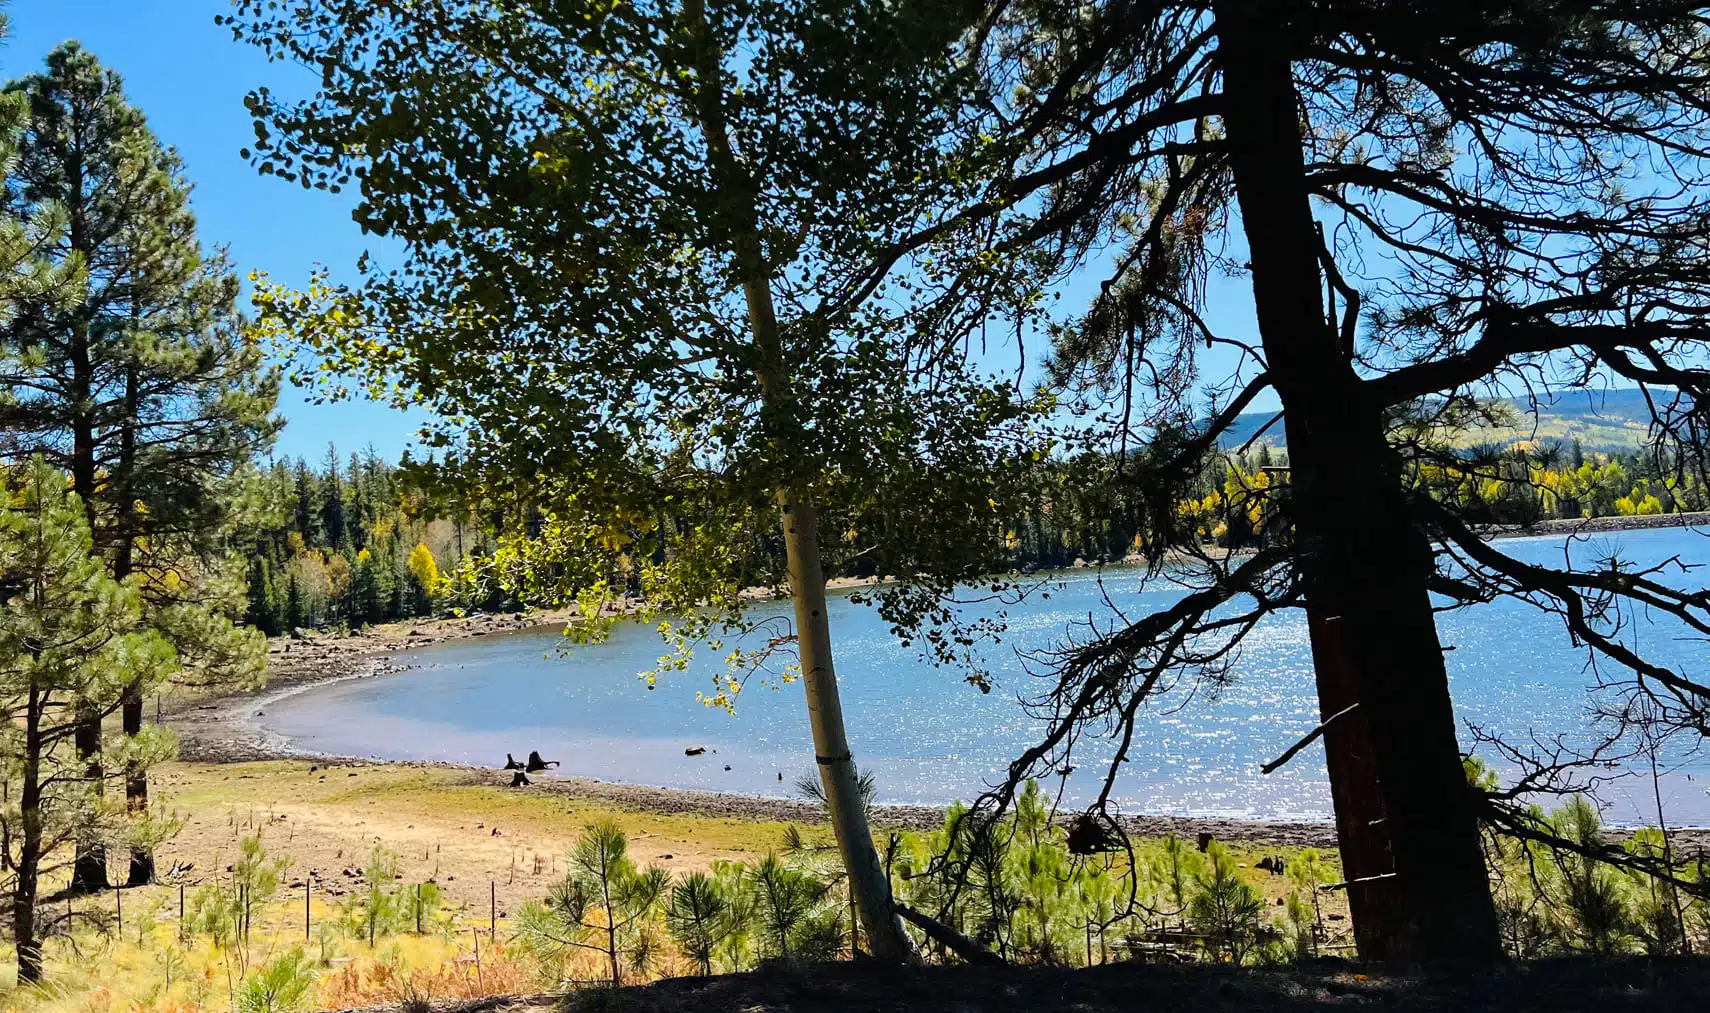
[{"x": 141, "y": 382}]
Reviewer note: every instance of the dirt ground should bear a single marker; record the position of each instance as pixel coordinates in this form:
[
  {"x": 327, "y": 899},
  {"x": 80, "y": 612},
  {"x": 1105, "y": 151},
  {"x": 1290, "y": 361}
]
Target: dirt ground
[
  {"x": 470, "y": 836},
  {"x": 481, "y": 841},
  {"x": 1557, "y": 987}
]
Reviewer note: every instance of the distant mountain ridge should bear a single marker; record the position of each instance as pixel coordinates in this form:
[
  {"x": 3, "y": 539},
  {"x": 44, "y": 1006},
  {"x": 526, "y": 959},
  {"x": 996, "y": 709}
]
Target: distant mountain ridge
[{"x": 1603, "y": 420}]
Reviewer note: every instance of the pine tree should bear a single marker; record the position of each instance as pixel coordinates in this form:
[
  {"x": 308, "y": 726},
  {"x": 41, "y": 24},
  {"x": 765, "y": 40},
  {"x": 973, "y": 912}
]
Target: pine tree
[
  {"x": 1433, "y": 202},
  {"x": 140, "y": 381},
  {"x": 367, "y": 596},
  {"x": 264, "y": 606},
  {"x": 72, "y": 642},
  {"x": 332, "y": 503},
  {"x": 303, "y": 506},
  {"x": 294, "y": 617},
  {"x": 356, "y": 516}
]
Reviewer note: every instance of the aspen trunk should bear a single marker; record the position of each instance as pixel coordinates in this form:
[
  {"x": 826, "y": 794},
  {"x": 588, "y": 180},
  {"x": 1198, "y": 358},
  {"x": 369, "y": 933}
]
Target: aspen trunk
[
  {"x": 837, "y": 774},
  {"x": 867, "y": 880},
  {"x": 871, "y": 889}
]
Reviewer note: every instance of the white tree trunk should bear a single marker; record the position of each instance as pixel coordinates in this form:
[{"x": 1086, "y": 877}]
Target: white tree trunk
[{"x": 872, "y": 889}]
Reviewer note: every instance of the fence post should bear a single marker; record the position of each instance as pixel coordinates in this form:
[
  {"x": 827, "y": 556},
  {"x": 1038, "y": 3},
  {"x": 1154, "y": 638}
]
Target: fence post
[
  {"x": 493, "y": 910},
  {"x": 305, "y": 909}
]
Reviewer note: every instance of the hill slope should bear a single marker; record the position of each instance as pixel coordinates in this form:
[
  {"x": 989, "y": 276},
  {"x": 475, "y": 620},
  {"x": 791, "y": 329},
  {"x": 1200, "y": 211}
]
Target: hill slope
[{"x": 1603, "y": 420}]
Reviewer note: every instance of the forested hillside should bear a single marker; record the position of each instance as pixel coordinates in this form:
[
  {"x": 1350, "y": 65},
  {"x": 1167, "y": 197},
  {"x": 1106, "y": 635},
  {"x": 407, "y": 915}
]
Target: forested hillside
[
  {"x": 1607, "y": 421},
  {"x": 350, "y": 542}
]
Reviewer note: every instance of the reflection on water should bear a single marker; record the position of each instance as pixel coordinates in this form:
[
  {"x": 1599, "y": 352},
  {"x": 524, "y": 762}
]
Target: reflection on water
[{"x": 931, "y": 737}]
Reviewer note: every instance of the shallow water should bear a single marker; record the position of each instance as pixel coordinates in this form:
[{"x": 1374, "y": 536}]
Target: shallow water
[{"x": 930, "y": 737}]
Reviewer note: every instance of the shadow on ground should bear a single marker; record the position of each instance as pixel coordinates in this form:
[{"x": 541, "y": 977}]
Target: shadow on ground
[{"x": 860, "y": 988}]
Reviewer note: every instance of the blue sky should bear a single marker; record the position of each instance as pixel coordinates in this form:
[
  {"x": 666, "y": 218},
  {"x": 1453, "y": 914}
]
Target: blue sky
[{"x": 190, "y": 78}]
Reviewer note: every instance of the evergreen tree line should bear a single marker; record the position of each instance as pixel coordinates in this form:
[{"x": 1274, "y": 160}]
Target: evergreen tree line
[
  {"x": 357, "y": 540},
  {"x": 349, "y": 543}
]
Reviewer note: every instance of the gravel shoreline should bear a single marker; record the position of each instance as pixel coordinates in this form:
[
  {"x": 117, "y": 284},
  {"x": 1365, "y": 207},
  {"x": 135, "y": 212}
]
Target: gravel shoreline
[
  {"x": 1599, "y": 525},
  {"x": 222, "y": 729}
]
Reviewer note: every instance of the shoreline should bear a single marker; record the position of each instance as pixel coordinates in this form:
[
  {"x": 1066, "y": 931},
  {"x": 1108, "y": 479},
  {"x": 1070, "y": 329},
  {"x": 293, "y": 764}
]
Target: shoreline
[
  {"x": 1596, "y": 525},
  {"x": 221, "y": 732},
  {"x": 220, "y": 729}
]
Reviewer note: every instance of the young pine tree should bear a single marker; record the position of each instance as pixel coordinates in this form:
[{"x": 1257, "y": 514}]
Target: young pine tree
[
  {"x": 603, "y": 903},
  {"x": 72, "y": 641},
  {"x": 700, "y": 917}
]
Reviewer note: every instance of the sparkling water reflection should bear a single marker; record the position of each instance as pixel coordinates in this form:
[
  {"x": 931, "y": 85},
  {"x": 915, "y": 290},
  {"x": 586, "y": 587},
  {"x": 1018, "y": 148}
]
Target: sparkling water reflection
[{"x": 929, "y": 736}]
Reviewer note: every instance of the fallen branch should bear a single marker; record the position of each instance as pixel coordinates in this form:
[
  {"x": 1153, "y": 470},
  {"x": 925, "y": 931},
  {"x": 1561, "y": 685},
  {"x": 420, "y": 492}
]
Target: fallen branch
[
  {"x": 949, "y": 938},
  {"x": 1311, "y": 737}
]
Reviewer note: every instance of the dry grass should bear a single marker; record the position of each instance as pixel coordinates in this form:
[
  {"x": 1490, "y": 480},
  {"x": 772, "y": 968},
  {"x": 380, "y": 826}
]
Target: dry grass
[
  {"x": 469, "y": 837},
  {"x": 157, "y": 972}
]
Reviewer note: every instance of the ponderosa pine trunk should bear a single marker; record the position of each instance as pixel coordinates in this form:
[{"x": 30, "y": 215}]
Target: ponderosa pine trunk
[
  {"x": 136, "y": 789},
  {"x": 1366, "y": 564},
  {"x": 136, "y": 774},
  {"x": 89, "y": 864},
  {"x": 27, "y": 872}
]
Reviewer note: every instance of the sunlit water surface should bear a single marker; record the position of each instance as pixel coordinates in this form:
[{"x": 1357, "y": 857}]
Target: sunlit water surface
[{"x": 931, "y": 737}]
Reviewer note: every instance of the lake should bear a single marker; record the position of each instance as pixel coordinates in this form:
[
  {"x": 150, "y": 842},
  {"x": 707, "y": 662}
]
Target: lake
[{"x": 930, "y": 737}]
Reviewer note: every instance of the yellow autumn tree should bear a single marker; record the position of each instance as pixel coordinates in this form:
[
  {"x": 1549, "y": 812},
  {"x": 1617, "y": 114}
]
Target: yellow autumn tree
[{"x": 424, "y": 568}]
